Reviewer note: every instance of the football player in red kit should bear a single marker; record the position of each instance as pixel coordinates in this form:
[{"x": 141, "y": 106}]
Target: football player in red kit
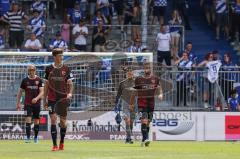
[
  {"x": 32, "y": 85},
  {"x": 58, "y": 90},
  {"x": 146, "y": 88}
]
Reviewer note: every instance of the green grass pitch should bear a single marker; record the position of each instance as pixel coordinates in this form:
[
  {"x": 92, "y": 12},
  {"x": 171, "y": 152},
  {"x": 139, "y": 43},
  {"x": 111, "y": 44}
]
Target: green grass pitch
[{"x": 120, "y": 150}]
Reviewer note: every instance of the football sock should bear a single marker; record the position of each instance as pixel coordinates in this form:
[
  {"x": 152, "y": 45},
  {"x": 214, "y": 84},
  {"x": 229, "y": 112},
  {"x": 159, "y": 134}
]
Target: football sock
[
  {"x": 54, "y": 134},
  {"x": 144, "y": 132},
  {"x": 128, "y": 131},
  {"x": 148, "y": 128},
  {"x": 28, "y": 130},
  {"x": 36, "y": 130},
  {"x": 62, "y": 134}
]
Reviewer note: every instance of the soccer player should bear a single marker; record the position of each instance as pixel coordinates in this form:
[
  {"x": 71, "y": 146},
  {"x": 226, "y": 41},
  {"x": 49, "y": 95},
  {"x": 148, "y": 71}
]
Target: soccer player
[
  {"x": 123, "y": 97},
  {"x": 147, "y": 86},
  {"x": 58, "y": 90},
  {"x": 32, "y": 85}
]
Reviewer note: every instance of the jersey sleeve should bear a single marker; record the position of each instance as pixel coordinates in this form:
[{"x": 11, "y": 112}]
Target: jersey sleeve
[{"x": 40, "y": 83}]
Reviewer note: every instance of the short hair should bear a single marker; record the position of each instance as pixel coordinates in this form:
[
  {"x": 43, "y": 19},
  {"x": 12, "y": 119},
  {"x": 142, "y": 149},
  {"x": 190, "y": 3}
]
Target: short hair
[
  {"x": 232, "y": 92},
  {"x": 36, "y": 11},
  {"x": 31, "y": 66},
  {"x": 57, "y": 52}
]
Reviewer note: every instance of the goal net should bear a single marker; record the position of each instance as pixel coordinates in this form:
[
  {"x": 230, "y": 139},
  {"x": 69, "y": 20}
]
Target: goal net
[{"x": 96, "y": 75}]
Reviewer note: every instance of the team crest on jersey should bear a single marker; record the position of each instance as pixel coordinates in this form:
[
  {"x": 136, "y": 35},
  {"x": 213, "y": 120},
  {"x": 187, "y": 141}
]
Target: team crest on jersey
[
  {"x": 63, "y": 73},
  {"x": 36, "y": 82}
]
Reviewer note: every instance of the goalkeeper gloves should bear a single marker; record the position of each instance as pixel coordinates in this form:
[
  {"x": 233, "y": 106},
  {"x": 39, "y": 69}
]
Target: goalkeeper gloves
[{"x": 118, "y": 106}]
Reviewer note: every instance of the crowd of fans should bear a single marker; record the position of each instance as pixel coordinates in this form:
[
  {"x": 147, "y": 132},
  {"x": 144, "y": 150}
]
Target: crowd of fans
[
  {"x": 224, "y": 15},
  {"x": 95, "y": 17},
  {"x": 27, "y": 30}
]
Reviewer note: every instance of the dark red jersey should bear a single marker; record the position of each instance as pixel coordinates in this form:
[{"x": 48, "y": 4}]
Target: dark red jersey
[
  {"x": 146, "y": 90},
  {"x": 57, "y": 79},
  {"x": 31, "y": 87}
]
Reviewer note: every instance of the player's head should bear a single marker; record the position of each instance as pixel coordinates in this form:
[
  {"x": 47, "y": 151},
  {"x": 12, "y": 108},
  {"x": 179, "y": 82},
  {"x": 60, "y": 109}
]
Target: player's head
[
  {"x": 129, "y": 72},
  {"x": 31, "y": 70},
  {"x": 147, "y": 69},
  {"x": 57, "y": 55}
]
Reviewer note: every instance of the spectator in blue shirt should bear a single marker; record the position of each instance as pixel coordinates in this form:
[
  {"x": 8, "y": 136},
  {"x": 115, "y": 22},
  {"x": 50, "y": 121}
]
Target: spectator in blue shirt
[
  {"x": 40, "y": 7},
  {"x": 233, "y": 103},
  {"x": 99, "y": 18},
  {"x": 83, "y": 5},
  {"x": 228, "y": 76},
  {"x": 191, "y": 55},
  {"x": 37, "y": 24},
  {"x": 58, "y": 42},
  {"x": 183, "y": 78},
  {"x": 75, "y": 14},
  {"x": 103, "y": 6}
]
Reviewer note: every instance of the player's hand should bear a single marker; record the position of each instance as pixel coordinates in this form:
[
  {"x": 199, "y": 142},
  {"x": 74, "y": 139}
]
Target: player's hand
[
  {"x": 19, "y": 106},
  {"x": 34, "y": 100},
  {"x": 69, "y": 95},
  {"x": 160, "y": 96}
]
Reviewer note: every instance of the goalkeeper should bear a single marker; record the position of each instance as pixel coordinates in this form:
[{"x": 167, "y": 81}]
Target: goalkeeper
[
  {"x": 123, "y": 98},
  {"x": 32, "y": 85}
]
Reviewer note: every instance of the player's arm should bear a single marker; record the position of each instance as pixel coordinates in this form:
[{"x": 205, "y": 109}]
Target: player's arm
[
  {"x": 70, "y": 84},
  {"x": 19, "y": 95},
  {"x": 70, "y": 90},
  {"x": 160, "y": 92},
  {"x": 132, "y": 99},
  {"x": 40, "y": 95},
  {"x": 119, "y": 93}
]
